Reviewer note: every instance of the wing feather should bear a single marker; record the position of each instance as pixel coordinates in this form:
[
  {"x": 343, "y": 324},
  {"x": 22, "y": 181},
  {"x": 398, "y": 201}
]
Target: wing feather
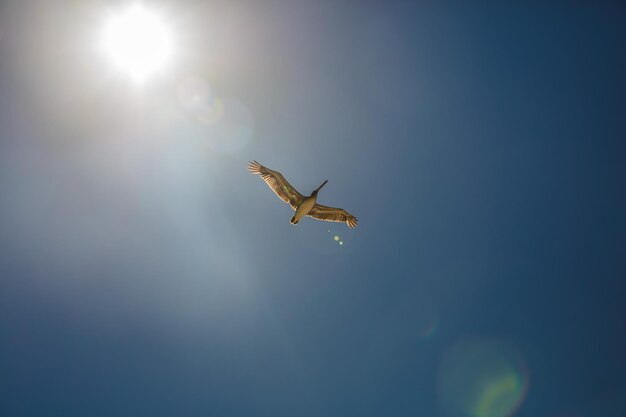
[
  {"x": 332, "y": 214},
  {"x": 277, "y": 183}
]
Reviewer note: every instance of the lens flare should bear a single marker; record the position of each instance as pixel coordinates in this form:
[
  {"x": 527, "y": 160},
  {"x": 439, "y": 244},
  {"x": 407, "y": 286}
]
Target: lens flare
[
  {"x": 233, "y": 129},
  {"x": 197, "y": 98},
  {"x": 226, "y": 125},
  {"x": 426, "y": 325},
  {"x": 482, "y": 378}
]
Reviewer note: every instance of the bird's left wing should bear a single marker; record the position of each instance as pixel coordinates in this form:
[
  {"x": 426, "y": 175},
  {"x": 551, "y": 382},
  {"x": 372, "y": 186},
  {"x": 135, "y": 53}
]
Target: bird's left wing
[
  {"x": 277, "y": 183},
  {"x": 332, "y": 214}
]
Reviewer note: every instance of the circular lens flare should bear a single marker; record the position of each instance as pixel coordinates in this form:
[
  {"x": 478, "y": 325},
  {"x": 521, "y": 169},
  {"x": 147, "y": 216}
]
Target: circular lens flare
[
  {"x": 137, "y": 41},
  {"x": 482, "y": 378}
]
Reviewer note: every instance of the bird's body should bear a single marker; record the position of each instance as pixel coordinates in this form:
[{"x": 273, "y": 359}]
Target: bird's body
[
  {"x": 303, "y": 206},
  {"x": 306, "y": 205},
  {"x": 303, "y": 209}
]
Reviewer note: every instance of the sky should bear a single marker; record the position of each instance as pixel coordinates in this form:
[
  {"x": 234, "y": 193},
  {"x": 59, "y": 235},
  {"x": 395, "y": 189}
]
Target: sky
[{"x": 144, "y": 271}]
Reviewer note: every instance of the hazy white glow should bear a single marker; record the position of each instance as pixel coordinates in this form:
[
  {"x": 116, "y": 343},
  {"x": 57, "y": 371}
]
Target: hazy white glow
[{"x": 138, "y": 42}]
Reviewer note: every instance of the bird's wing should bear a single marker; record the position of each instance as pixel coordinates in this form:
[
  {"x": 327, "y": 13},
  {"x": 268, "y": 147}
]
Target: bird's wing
[
  {"x": 277, "y": 183},
  {"x": 332, "y": 214}
]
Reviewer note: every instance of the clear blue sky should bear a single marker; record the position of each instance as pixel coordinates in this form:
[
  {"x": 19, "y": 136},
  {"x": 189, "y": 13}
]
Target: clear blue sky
[{"x": 144, "y": 271}]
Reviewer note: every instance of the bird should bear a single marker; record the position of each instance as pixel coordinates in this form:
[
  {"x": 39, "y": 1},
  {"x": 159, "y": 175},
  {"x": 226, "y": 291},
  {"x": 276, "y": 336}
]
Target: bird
[{"x": 303, "y": 206}]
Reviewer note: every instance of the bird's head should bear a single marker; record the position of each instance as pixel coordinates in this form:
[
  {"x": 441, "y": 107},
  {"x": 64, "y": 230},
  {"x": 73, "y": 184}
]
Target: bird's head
[{"x": 319, "y": 188}]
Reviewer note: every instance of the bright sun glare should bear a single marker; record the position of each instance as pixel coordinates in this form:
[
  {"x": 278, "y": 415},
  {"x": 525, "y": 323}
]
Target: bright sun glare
[{"x": 137, "y": 41}]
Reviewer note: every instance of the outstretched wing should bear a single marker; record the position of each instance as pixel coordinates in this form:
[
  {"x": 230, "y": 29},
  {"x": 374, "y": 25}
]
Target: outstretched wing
[
  {"x": 332, "y": 214},
  {"x": 277, "y": 183}
]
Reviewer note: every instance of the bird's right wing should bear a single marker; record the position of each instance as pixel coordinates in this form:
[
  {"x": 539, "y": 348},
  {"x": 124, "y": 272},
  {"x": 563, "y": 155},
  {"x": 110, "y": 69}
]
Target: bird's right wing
[
  {"x": 277, "y": 183},
  {"x": 332, "y": 214}
]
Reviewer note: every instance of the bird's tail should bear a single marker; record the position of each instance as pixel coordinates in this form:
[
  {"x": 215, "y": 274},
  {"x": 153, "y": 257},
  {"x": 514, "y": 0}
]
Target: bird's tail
[{"x": 293, "y": 220}]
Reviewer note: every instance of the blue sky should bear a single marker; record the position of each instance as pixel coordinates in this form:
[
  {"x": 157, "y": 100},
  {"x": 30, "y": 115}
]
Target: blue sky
[{"x": 144, "y": 271}]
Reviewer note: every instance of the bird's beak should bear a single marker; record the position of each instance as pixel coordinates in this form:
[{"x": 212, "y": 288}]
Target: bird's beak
[{"x": 320, "y": 187}]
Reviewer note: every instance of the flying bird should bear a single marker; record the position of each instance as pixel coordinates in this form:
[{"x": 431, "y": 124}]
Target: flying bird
[{"x": 304, "y": 206}]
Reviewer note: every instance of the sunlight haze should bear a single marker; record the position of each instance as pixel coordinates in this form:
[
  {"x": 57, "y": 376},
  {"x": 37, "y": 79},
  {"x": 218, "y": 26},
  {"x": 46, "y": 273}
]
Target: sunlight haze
[{"x": 144, "y": 271}]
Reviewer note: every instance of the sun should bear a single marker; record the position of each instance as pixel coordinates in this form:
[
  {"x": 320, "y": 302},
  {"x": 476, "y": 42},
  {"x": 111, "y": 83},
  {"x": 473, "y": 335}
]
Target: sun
[{"x": 137, "y": 41}]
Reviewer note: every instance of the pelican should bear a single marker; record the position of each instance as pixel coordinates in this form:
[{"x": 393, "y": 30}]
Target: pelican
[{"x": 303, "y": 206}]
